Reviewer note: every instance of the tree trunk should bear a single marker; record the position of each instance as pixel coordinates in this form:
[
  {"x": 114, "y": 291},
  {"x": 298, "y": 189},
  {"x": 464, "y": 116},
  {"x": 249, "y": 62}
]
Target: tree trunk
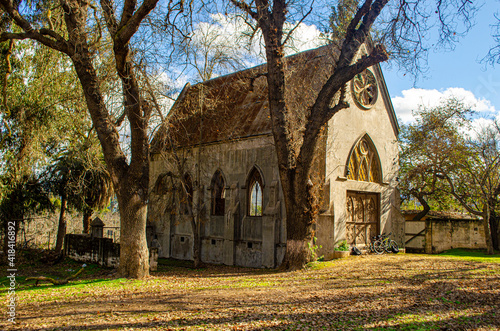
[
  {"x": 495, "y": 231},
  {"x": 134, "y": 254},
  {"x": 487, "y": 232},
  {"x": 494, "y": 220},
  {"x": 87, "y": 219},
  {"x": 129, "y": 181},
  {"x": 61, "y": 229},
  {"x": 300, "y": 218},
  {"x": 424, "y": 203},
  {"x": 196, "y": 246}
]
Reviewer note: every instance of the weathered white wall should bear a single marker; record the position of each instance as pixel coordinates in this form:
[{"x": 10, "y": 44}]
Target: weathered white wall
[
  {"x": 344, "y": 131},
  {"x": 234, "y": 238}
]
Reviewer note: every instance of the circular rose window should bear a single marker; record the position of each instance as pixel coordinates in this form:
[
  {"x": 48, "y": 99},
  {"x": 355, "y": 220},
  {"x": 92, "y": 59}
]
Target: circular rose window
[{"x": 364, "y": 89}]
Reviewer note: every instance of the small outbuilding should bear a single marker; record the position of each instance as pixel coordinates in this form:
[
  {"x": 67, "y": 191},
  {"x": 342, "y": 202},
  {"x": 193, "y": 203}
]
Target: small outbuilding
[{"x": 439, "y": 231}]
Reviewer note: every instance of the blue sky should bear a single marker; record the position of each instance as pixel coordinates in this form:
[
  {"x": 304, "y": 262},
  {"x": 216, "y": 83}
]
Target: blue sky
[{"x": 457, "y": 72}]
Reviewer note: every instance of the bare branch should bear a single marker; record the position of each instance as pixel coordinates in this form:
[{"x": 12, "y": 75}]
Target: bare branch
[
  {"x": 297, "y": 25},
  {"x": 109, "y": 16},
  {"x": 245, "y": 8}
]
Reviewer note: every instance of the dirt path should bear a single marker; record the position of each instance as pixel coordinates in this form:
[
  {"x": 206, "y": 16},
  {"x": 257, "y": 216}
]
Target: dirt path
[{"x": 407, "y": 292}]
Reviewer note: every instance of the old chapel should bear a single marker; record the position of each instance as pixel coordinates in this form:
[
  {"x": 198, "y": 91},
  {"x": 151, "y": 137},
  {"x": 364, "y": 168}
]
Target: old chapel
[{"x": 219, "y": 142}]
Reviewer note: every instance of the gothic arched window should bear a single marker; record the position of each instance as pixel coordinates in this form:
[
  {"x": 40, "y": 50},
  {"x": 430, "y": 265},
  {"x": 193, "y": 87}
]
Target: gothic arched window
[
  {"x": 255, "y": 194},
  {"x": 218, "y": 194},
  {"x": 364, "y": 163}
]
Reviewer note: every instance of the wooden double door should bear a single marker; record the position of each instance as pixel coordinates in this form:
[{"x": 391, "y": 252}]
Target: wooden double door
[{"x": 363, "y": 217}]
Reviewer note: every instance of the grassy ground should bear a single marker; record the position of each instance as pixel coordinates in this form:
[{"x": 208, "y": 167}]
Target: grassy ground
[{"x": 458, "y": 291}]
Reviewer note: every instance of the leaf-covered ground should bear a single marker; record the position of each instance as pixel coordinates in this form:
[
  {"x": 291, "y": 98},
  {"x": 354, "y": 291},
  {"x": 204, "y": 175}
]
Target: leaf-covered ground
[{"x": 389, "y": 292}]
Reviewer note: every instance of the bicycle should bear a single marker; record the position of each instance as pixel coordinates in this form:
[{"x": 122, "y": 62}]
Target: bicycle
[{"x": 383, "y": 244}]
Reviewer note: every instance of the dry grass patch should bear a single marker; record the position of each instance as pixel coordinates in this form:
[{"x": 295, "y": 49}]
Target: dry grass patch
[{"x": 390, "y": 292}]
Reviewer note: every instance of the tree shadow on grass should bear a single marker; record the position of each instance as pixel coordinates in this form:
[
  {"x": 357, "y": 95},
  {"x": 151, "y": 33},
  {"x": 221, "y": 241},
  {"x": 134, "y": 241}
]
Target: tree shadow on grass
[
  {"x": 436, "y": 305},
  {"x": 385, "y": 319}
]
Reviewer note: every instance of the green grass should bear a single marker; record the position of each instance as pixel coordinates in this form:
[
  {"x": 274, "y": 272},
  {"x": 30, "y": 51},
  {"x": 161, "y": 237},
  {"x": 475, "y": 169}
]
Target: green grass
[{"x": 471, "y": 255}]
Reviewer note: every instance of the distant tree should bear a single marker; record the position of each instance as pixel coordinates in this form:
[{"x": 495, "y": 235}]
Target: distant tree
[
  {"x": 22, "y": 198},
  {"x": 210, "y": 52},
  {"x": 474, "y": 180},
  {"x": 41, "y": 114},
  {"x": 425, "y": 146},
  {"x": 83, "y": 184},
  {"x": 441, "y": 157}
]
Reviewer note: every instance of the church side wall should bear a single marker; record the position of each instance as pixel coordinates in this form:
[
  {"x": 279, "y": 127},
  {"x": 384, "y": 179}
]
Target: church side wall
[{"x": 234, "y": 238}]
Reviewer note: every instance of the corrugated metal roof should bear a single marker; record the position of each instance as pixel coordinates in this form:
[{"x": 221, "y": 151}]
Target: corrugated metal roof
[{"x": 236, "y": 105}]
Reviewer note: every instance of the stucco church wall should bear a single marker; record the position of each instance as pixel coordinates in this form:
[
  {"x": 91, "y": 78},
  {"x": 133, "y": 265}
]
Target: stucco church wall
[
  {"x": 344, "y": 131},
  {"x": 235, "y": 239}
]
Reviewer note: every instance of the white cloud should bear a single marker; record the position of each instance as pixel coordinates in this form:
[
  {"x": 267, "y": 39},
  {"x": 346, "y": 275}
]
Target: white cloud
[
  {"x": 231, "y": 36},
  {"x": 303, "y": 38},
  {"x": 413, "y": 98}
]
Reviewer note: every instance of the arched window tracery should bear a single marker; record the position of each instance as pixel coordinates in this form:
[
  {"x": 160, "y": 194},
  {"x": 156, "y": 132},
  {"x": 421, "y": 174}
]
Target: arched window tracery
[{"x": 364, "y": 163}]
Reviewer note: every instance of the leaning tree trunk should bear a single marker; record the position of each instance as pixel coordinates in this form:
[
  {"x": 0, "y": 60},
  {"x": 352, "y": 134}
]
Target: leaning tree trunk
[
  {"x": 61, "y": 229},
  {"x": 87, "y": 219}
]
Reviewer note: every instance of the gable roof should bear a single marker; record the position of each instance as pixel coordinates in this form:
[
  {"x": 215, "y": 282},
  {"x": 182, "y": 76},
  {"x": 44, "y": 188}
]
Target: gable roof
[{"x": 236, "y": 106}]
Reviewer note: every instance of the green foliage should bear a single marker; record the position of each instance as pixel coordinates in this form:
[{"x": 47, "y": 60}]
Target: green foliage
[
  {"x": 313, "y": 250},
  {"x": 342, "y": 246},
  {"x": 45, "y": 117},
  {"x": 341, "y": 16},
  {"x": 24, "y": 197},
  {"x": 435, "y": 140},
  {"x": 472, "y": 255},
  {"x": 446, "y": 165},
  {"x": 81, "y": 175}
]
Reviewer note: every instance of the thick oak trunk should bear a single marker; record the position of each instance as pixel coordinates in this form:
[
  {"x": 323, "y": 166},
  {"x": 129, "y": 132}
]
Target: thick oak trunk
[
  {"x": 300, "y": 218},
  {"x": 495, "y": 231},
  {"x": 488, "y": 235},
  {"x": 130, "y": 181},
  {"x": 494, "y": 223},
  {"x": 61, "y": 228},
  {"x": 134, "y": 254}
]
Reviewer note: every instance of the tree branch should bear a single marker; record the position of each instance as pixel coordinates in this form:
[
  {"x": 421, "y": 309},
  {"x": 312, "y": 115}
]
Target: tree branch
[
  {"x": 58, "y": 43},
  {"x": 109, "y": 16},
  {"x": 246, "y": 8},
  {"x": 297, "y": 25},
  {"x": 126, "y": 30}
]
